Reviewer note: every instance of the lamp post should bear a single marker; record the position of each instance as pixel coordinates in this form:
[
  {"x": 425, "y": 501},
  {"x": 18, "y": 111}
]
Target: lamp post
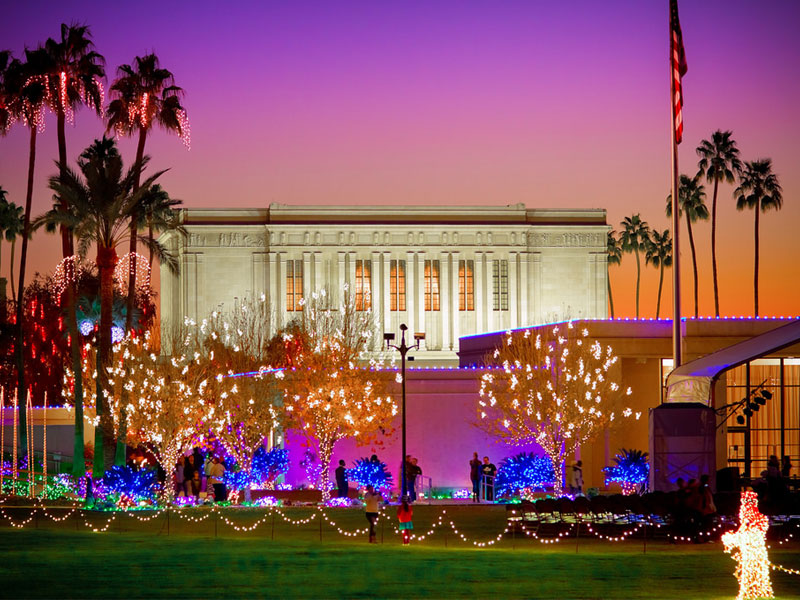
[{"x": 403, "y": 348}]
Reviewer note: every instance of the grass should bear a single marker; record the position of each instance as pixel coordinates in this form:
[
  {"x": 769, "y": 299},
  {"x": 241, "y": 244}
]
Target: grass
[{"x": 138, "y": 559}]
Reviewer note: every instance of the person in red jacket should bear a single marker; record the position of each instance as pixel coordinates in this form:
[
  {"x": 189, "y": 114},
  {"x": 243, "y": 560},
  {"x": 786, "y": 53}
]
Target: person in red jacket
[{"x": 404, "y": 514}]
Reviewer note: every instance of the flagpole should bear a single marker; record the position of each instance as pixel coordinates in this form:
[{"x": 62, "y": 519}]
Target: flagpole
[{"x": 677, "y": 354}]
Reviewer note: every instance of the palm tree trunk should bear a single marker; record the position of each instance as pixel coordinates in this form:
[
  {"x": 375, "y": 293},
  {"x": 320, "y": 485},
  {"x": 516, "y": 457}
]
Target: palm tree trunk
[
  {"x": 755, "y": 262},
  {"x": 660, "y": 286},
  {"x": 714, "y": 246},
  {"x": 130, "y": 302},
  {"x": 70, "y": 293},
  {"x": 67, "y": 245},
  {"x": 11, "y": 271},
  {"x": 150, "y": 237},
  {"x": 106, "y": 261},
  {"x": 694, "y": 261},
  {"x": 638, "y": 277},
  {"x": 18, "y": 346},
  {"x": 610, "y": 297}
]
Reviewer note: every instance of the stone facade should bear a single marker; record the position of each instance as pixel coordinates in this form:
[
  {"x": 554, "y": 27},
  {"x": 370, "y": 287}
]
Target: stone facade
[{"x": 460, "y": 270}]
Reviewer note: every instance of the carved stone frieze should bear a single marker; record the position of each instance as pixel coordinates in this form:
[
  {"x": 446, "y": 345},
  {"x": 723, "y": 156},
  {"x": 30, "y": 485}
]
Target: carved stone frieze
[{"x": 567, "y": 239}]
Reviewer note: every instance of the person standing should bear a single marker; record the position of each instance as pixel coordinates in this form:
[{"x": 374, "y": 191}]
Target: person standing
[
  {"x": 189, "y": 470},
  {"x": 488, "y": 471},
  {"x": 408, "y": 469},
  {"x": 404, "y": 515},
  {"x": 371, "y": 500},
  {"x": 786, "y": 467},
  {"x": 575, "y": 478},
  {"x": 341, "y": 480},
  {"x": 414, "y": 471},
  {"x": 215, "y": 478},
  {"x": 475, "y": 476}
]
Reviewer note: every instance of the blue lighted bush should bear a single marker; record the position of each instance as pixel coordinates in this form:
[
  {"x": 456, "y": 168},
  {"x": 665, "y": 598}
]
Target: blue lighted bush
[
  {"x": 523, "y": 473},
  {"x": 630, "y": 469},
  {"x": 133, "y": 485},
  {"x": 266, "y": 468},
  {"x": 367, "y": 472}
]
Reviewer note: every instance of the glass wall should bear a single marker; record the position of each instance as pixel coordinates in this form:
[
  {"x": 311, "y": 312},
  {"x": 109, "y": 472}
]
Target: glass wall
[{"x": 775, "y": 427}]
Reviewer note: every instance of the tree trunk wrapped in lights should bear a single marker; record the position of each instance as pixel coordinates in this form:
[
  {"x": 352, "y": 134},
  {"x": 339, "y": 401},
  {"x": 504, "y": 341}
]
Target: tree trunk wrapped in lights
[
  {"x": 556, "y": 387},
  {"x": 330, "y": 393}
]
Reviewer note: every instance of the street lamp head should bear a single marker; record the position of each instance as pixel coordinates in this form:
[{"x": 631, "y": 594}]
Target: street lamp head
[
  {"x": 388, "y": 337},
  {"x": 419, "y": 336},
  {"x": 403, "y": 327}
]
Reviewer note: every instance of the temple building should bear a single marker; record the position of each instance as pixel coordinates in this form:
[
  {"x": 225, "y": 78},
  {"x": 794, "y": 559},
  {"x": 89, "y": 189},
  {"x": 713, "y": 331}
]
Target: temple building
[{"x": 448, "y": 271}]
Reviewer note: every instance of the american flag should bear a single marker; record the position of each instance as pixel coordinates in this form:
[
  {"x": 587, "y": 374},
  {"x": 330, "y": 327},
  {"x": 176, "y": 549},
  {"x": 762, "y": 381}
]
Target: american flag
[{"x": 678, "y": 67}]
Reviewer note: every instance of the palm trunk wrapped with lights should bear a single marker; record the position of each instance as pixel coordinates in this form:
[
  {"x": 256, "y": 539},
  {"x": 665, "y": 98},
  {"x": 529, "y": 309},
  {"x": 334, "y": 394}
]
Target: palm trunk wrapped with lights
[
  {"x": 332, "y": 392},
  {"x": 556, "y": 387}
]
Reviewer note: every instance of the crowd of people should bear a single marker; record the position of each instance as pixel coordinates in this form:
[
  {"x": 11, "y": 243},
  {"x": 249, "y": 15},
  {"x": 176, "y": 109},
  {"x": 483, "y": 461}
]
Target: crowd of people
[
  {"x": 199, "y": 476},
  {"x": 694, "y": 509}
]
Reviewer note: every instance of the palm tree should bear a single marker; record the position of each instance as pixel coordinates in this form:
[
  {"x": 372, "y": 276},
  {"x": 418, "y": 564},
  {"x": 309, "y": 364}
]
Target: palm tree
[
  {"x": 634, "y": 238},
  {"x": 13, "y": 217},
  {"x": 614, "y": 251},
  {"x": 659, "y": 254},
  {"x": 101, "y": 203},
  {"x": 74, "y": 79},
  {"x": 719, "y": 160},
  {"x": 25, "y": 96},
  {"x": 692, "y": 204},
  {"x": 144, "y": 95},
  {"x": 758, "y": 189}
]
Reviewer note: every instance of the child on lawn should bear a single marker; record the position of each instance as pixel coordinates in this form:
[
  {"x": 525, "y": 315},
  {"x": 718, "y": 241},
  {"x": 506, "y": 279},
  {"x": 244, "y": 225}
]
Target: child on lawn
[{"x": 404, "y": 514}]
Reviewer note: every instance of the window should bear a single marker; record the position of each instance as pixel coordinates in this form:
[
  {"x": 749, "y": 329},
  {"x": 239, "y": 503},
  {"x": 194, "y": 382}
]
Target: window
[
  {"x": 466, "y": 285},
  {"x": 431, "y": 285},
  {"x": 363, "y": 284},
  {"x": 500, "y": 284},
  {"x": 294, "y": 285},
  {"x": 397, "y": 285}
]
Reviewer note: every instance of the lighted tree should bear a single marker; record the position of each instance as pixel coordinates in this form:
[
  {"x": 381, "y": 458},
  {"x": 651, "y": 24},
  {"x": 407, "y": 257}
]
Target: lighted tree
[
  {"x": 235, "y": 352},
  {"x": 166, "y": 406},
  {"x": 556, "y": 388},
  {"x": 333, "y": 392}
]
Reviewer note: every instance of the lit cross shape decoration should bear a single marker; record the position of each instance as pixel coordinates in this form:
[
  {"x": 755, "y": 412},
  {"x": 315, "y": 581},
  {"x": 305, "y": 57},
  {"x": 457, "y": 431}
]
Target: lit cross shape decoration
[{"x": 749, "y": 549}]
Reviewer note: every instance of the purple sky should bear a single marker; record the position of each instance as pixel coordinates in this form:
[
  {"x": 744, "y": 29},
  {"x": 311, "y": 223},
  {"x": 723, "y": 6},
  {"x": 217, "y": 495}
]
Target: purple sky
[{"x": 550, "y": 104}]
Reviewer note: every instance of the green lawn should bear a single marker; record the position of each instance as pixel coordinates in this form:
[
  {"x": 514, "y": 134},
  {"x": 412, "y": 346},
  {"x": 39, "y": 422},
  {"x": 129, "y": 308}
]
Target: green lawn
[{"x": 140, "y": 559}]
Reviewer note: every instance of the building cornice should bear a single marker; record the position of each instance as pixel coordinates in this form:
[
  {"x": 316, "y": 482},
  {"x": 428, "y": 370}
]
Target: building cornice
[{"x": 281, "y": 214}]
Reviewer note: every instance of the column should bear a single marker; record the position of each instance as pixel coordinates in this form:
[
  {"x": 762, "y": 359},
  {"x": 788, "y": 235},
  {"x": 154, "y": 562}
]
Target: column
[
  {"x": 280, "y": 306},
  {"x": 385, "y": 300},
  {"x": 318, "y": 271},
  {"x": 376, "y": 297},
  {"x": 454, "y": 300},
  {"x": 410, "y": 298},
  {"x": 272, "y": 285},
  {"x": 351, "y": 274},
  {"x": 525, "y": 316},
  {"x": 480, "y": 305},
  {"x": 341, "y": 279},
  {"x": 536, "y": 283},
  {"x": 307, "y": 287},
  {"x": 444, "y": 291},
  {"x": 491, "y": 314},
  {"x": 421, "y": 321},
  {"x": 513, "y": 270}
]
